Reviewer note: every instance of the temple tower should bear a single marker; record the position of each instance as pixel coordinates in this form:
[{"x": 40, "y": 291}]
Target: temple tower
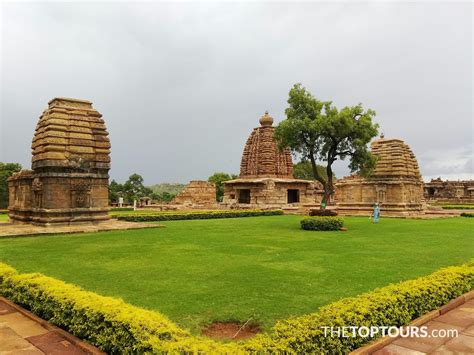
[{"x": 68, "y": 182}]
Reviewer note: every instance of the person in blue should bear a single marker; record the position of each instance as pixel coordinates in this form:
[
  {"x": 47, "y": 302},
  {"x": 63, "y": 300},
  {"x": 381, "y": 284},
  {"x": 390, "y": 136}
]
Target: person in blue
[{"x": 376, "y": 213}]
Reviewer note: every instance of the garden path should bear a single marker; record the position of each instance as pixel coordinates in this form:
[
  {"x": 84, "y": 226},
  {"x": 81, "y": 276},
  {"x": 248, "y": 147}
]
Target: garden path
[{"x": 23, "y": 333}]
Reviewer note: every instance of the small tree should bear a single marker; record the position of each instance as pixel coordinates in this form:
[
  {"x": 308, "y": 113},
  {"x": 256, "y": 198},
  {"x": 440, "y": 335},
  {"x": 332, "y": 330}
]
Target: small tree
[
  {"x": 134, "y": 188},
  {"x": 115, "y": 191},
  {"x": 6, "y": 170},
  {"x": 218, "y": 179},
  {"x": 318, "y": 131}
]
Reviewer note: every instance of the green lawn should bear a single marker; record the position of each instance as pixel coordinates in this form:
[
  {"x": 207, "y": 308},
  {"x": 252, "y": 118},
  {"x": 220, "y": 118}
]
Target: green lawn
[
  {"x": 3, "y": 217},
  {"x": 233, "y": 269}
]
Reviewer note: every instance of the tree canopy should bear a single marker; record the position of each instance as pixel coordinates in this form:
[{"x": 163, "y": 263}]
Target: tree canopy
[
  {"x": 303, "y": 170},
  {"x": 320, "y": 132},
  {"x": 219, "y": 179},
  {"x": 6, "y": 170}
]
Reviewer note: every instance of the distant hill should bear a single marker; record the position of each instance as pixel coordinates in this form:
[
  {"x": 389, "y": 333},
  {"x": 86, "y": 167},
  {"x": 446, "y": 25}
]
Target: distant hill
[{"x": 172, "y": 189}]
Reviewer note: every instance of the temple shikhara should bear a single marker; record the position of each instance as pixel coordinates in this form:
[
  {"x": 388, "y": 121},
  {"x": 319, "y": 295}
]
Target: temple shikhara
[
  {"x": 69, "y": 179},
  {"x": 266, "y": 175},
  {"x": 395, "y": 183}
]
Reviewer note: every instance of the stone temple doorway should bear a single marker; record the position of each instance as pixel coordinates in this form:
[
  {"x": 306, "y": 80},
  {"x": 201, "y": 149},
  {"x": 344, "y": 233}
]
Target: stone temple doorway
[
  {"x": 293, "y": 196},
  {"x": 244, "y": 196}
]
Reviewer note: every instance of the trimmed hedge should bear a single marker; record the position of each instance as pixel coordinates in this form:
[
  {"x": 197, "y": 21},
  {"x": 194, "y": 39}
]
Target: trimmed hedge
[
  {"x": 108, "y": 323},
  {"x": 467, "y": 214},
  {"x": 322, "y": 223},
  {"x": 393, "y": 305},
  {"x": 173, "y": 216},
  {"x": 3, "y": 211},
  {"x": 320, "y": 212},
  {"x": 117, "y": 327},
  {"x": 457, "y": 207}
]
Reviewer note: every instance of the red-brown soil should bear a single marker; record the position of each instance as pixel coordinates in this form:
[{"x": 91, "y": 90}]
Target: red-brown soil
[{"x": 230, "y": 330}]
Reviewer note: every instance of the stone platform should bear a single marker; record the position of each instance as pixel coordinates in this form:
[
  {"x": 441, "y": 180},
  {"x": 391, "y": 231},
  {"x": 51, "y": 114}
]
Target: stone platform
[
  {"x": 21, "y": 332},
  {"x": 457, "y": 315},
  {"x": 19, "y": 230}
]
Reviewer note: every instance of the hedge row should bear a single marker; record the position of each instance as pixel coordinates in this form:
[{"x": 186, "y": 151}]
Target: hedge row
[
  {"x": 467, "y": 214},
  {"x": 170, "y": 216},
  {"x": 457, "y": 207},
  {"x": 108, "y": 323},
  {"x": 3, "y": 211},
  {"x": 321, "y": 212},
  {"x": 117, "y": 327},
  {"x": 322, "y": 223}
]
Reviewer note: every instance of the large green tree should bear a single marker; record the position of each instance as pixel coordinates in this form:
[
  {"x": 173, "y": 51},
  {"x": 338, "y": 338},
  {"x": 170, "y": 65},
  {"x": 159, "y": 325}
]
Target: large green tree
[
  {"x": 133, "y": 188},
  {"x": 219, "y": 179},
  {"x": 116, "y": 190},
  {"x": 6, "y": 170},
  {"x": 304, "y": 170},
  {"x": 320, "y": 132}
]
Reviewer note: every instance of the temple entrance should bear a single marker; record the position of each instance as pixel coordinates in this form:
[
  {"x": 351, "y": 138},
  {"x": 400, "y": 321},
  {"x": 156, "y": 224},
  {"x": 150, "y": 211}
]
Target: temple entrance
[
  {"x": 244, "y": 196},
  {"x": 293, "y": 196}
]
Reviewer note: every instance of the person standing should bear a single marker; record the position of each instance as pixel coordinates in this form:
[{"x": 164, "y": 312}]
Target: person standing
[{"x": 376, "y": 213}]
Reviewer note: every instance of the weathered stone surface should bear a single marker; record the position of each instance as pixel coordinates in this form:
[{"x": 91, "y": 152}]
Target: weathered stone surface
[
  {"x": 395, "y": 183},
  {"x": 197, "y": 193},
  {"x": 70, "y": 162},
  {"x": 450, "y": 191},
  {"x": 261, "y": 156},
  {"x": 266, "y": 175}
]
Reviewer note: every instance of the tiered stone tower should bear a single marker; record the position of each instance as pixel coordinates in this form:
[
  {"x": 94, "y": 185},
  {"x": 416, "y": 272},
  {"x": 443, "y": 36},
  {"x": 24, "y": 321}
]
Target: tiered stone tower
[
  {"x": 266, "y": 175},
  {"x": 261, "y": 157},
  {"x": 396, "y": 183},
  {"x": 71, "y": 161}
]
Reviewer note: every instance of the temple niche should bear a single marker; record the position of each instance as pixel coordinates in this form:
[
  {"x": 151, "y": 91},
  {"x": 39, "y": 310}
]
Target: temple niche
[
  {"x": 69, "y": 179},
  {"x": 396, "y": 183},
  {"x": 266, "y": 176}
]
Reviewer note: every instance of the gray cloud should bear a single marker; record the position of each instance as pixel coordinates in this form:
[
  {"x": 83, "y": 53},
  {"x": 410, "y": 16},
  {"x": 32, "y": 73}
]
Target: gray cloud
[{"x": 181, "y": 85}]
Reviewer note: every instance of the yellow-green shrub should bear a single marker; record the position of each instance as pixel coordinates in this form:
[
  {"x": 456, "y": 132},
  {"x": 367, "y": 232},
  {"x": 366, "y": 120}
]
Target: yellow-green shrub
[{"x": 117, "y": 327}]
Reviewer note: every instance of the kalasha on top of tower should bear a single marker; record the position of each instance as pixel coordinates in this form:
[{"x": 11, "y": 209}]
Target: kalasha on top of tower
[{"x": 261, "y": 157}]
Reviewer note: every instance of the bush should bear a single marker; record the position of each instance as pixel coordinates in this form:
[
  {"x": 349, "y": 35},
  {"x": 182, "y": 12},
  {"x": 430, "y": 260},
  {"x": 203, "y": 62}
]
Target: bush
[
  {"x": 467, "y": 214},
  {"x": 3, "y": 211},
  {"x": 323, "y": 212},
  {"x": 393, "y": 305},
  {"x": 117, "y": 327},
  {"x": 175, "y": 215},
  {"x": 322, "y": 223},
  {"x": 121, "y": 209},
  {"x": 457, "y": 207}
]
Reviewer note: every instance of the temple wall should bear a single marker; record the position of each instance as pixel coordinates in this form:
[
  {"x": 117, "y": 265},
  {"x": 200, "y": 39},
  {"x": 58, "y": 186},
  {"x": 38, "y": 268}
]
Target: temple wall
[
  {"x": 197, "y": 193},
  {"x": 271, "y": 193}
]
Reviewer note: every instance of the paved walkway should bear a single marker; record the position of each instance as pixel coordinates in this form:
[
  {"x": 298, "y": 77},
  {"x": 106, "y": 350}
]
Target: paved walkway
[
  {"x": 460, "y": 318},
  {"x": 17, "y": 230},
  {"x": 23, "y": 333}
]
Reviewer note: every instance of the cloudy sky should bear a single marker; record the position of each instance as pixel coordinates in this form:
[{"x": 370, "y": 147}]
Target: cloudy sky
[{"x": 181, "y": 85}]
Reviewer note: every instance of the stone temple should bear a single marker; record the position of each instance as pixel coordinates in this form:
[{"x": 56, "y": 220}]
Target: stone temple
[
  {"x": 266, "y": 176},
  {"x": 68, "y": 182},
  {"x": 396, "y": 183}
]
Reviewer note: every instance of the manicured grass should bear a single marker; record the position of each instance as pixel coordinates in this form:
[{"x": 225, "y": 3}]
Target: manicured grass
[
  {"x": 266, "y": 268},
  {"x": 3, "y": 218}
]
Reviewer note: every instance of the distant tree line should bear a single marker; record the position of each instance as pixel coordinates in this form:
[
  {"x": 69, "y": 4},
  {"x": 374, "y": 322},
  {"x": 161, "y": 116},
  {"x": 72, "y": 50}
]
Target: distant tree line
[{"x": 6, "y": 170}]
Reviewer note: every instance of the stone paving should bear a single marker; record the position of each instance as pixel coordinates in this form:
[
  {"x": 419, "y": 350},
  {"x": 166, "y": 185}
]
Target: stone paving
[
  {"x": 17, "y": 230},
  {"x": 23, "y": 333},
  {"x": 460, "y": 318}
]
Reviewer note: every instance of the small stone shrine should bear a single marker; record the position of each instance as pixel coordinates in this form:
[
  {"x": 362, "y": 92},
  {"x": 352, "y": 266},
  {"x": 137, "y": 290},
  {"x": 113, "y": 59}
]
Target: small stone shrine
[
  {"x": 68, "y": 183},
  {"x": 396, "y": 183},
  {"x": 197, "y": 194},
  {"x": 266, "y": 175}
]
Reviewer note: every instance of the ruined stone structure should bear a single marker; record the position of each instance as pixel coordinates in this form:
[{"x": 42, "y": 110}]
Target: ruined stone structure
[
  {"x": 450, "y": 191},
  {"x": 68, "y": 182},
  {"x": 396, "y": 183},
  {"x": 266, "y": 175},
  {"x": 197, "y": 194}
]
